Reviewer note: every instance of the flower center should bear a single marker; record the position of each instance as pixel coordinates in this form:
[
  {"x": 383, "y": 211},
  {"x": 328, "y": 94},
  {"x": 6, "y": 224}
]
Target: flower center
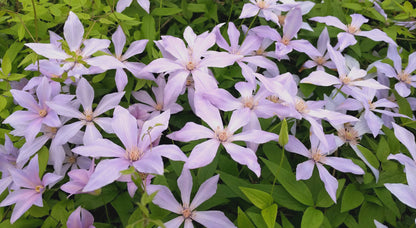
[
  {"x": 55, "y": 76},
  {"x": 316, "y": 155},
  {"x": 51, "y": 131},
  {"x": 189, "y": 81},
  {"x": 345, "y": 80},
  {"x": 372, "y": 106},
  {"x": 43, "y": 113},
  {"x": 404, "y": 77},
  {"x": 352, "y": 29},
  {"x": 349, "y": 135},
  {"x": 88, "y": 115},
  {"x": 285, "y": 40},
  {"x": 222, "y": 134},
  {"x": 320, "y": 60},
  {"x": 39, "y": 188},
  {"x": 72, "y": 160},
  {"x": 249, "y": 102},
  {"x": 187, "y": 213},
  {"x": 262, "y": 4},
  {"x": 134, "y": 154},
  {"x": 190, "y": 66},
  {"x": 259, "y": 51},
  {"x": 301, "y": 106},
  {"x": 273, "y": 99},
  {"x": 159, "y": 107},
  {"x": 281, "y": 19}
]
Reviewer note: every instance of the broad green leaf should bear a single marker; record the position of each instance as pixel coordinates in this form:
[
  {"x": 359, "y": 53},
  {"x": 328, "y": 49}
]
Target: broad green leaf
[
  {"x": 90, "y": 202},
  {"x": 21, "y": 223},
  {"x": 148, "y": 28},
  {"x": 39, "y": 212},
  {"x": 43, "y": 156},
  {"x": 242, "y": 220},
  {"x": 59, "y": 212},
  {"x": 197, "y": 8},
  {"x": 106, "y": 21},
  {"x": 259, "y": 198},
  {"x": 123, "y": 206},
  {"x": 97, "y": 78},
  {"x": 297, "y": 189},
  {"x": 371, "y": 158},
  {"x": 285, "y": 222},
  {"x": 369, "y": 212},
  {"x": 353, "y": 6},
  {"x": 16, "y": 77},
  {"x": 385, "y": 196},
  {"x": 284, "y": 134},
  {"x": 269, "y": 215},
  {"x": 3, "y": 102},
  {"x": 21, "y": 32},
  {"x": 6, "y": 65},
  {"x": 312, "y": 218},
  {"x": 14, "y": 50},
  {"x": 383, "y": 149},
  {"x": 166, "y": 11},
  {"x": 351, "y": 198}
]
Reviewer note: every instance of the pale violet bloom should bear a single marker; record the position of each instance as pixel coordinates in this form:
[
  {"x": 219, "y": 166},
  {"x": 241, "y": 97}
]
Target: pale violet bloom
[
  {"x": 80, "y": 218},
  {"x": 406, "y": 80},
  {"x": 347, "y": 38},
  {"x": 285, "y": 44},
  {"x": 78, "y": 178},
  {"x": 263, "y": 8},
  {"x": 73, "y": 61},
  {"x": 138, "y": 150},
  {"x": 31, "y": 188},
  {"x": 187, "y": 210},
  {"x": 322, "y": 60},
  {"x": 8, "y": 157},
  {"x": 88, "y": 118},
  {"x": 136, "y": 47},
  {"x": 218, "y": 134},
  {"x": 351, "y": 78},
  {"x": 318, "y": 156},
  {"x": 407, "y": 138},
  {"x": 123, "y": 4}
]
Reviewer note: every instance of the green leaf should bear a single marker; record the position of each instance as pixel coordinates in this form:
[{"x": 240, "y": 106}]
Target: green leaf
[
  {"x": 197, "y": 8},
  {"x": 99, "y": 77},
  {"x": 148, "y": 28},
  {"x": 16, "y": 77},
  {"x": 351, "y": 198},
  {"x": 297, "y": 189},
  {"x": 6, "y": 65},
  {"x": 242, "y": 220},
  {"x": 43, "y": 156},
  {"x": 259, "y": 198},
  {"x": 312, "y": 218},
  {"x": 269, "y": 215},
  {"x": 284, "y": 134},
  {"x": 123, "y": 206},
  {"x": 385, "y": 196},
  {"x": 106, "y": 21},
  {"x": 3, "y": 102},
  {"x": 353, "y": 6},
  {"x": 21, "y": 32},
  {"x": 166, "y": 11},
  {"x": 371, "y": 158},
  {"x": 59, "y": 212},
  {"x": 383, "y": 150}
]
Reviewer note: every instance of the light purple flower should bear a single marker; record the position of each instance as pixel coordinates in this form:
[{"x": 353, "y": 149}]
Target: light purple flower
[
  {"x": 136, "y": 47},
  {"x": 31, "y": 189},
  {"x": 408, "y": 140},
  {"x": 406, "y": 80},
  {"x": 264, "y": 8},
  {"x": 186, "y": 211},
  {"x": 162, "y": 103},
  {"x": 318, "y": 155},
  {"x": 285, "y": 44},
  {"x": 138, "y": 149},
  {"x": 78, "y": 178},
  {"x": 347, "y": 38},
  {"x": 8, "y": 157},
  {"x": 85, "y": 94},
  {"x": 323, "y": 59},
  {"x": 80, "y": 218},
  {"x": 203, "y": 154}
]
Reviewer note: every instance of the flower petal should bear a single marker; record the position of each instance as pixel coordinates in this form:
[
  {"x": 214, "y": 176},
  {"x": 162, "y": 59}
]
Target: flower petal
[
  {"x": 73, "y": 31},
  {"x": 205, "y": 191},
  {"x": 202, "y": 154},
  {"x": 244, "y": 156}
]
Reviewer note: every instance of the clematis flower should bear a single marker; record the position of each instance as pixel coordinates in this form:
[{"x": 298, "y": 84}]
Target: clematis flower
[
  {"x": 78, "y": 178},
  {"x": 406, "y": 193},
  {"x": 85, "y": 94},
  {"x": 74, "y": 59},
  {"x": 250, "y": 44},
  {"x": 80, "y": 218},
  {"x": 347, "y": 38},
  {"x": 137, "y": 47},
  {"x": 406, "y": 80},
  {"x": 264, "y": 8},
  {"x": 31, "y": 188},
  {"x": 38, "y": 112},
  {"x": 350, "y": 78},
  {"x": 8, "y": 157},
  {"x": 323, "y": 59},
  {"x": 318, "y": 156},
  {"x": 123, "y": 4},
  {"x": 162, "y": 103},
  {"x": 180, "y": 61},
  {"x": 285, "y": 44},
  {"x": 138, "y": 150},
  {"x": 204, "y": 153},
  {"x": 187, "y": 210}
]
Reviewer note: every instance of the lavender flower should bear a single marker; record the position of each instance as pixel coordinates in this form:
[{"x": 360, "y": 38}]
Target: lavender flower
[
  {"x": 122, "y": 4},
  {"x": 406, "y": 193},
  {"x": 186, "y": 211},
  {"x": 31, "y": 189},
  {"x": 80, "y": 218}
]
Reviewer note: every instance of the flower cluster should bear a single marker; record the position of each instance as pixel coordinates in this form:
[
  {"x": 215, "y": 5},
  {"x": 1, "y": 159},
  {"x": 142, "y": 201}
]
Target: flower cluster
[{"x": 97, "y": 138}]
